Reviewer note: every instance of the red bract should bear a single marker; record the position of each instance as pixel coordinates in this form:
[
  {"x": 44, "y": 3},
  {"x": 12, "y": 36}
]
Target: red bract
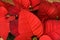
[
  {"x": 6, "y": 5},
  {"x": 47, "y": 10},
  {"x": 1, "y": 3},
  {"x": 12, "y": 11},
  {"x": 45, "y": 37},
  {"x": 57, "y": 4},
  {"x": 14, "y": 27},
  {"x": 52, "y": 29},
  {"x": 29, "y": 25},
  {"x": 14, "y": 22},
  {"x": 3, "y": 11},
  {"x": 4, "y": 24},
  {"x": 26, "y": 4}
]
